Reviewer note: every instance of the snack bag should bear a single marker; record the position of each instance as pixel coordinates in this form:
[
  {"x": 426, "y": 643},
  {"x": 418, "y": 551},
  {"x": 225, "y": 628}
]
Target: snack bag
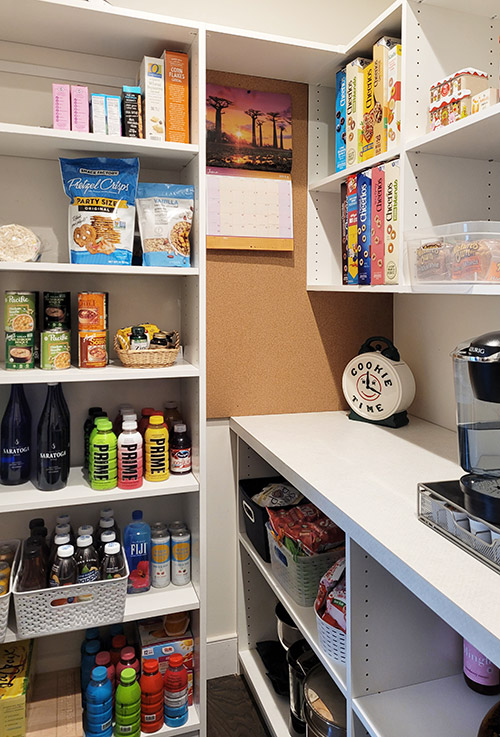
[
  {"x": 102, "y": 209},
  {"x": 165, "y": 214}
]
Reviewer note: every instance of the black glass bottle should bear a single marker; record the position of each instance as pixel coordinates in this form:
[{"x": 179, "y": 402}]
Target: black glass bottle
[
  {"x": 15, "y": 461},
  {"x": 52, "y": 456}
]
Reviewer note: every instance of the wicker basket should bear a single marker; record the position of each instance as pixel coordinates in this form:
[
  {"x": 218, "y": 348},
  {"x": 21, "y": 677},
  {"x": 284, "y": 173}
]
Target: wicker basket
[
  {"x": 152, "y": 358},
  {"x": 300, "y": 576},
  {"x": 5, "y": 599},
  {"x": 331, "y": 640}
]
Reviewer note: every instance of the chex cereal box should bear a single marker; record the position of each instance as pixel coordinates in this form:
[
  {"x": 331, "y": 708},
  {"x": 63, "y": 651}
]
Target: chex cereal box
[
  {"x": 381, "y": 91},
  {"x": 16, "y": 676},
  {"x": 364, "y": 187},
  {"x": 365, "y": 132},
  {"x": 392, "y": 222},
  {"x": 352, "y": 230},
  {"x": 394, "y": 95},
  {"x": 154, "y": 643},
  {"x": 344, "y": 231},
  {"x": 378, "y": 225},
  {"x": 354, "y": 107},
  {"x": 340, "y": 131}
]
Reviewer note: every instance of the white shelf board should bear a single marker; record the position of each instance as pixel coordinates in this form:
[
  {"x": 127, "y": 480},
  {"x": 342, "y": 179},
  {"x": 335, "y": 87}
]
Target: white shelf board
[
  {"x": 192, "y": 724},
  {"x": 365, "y": 478},
  {"x": 160, "y": 601},
  {"x": 446, "y": 707},
  {"x": 475, "y": 137},
  {"x": 332, "y": 183},
  {"x": 274, "y": 708},
  {"x": 304, "y": 617},
  {"x": 487, "y": 8},
  {"x": 66, "y": 268},
  {"x": 45, "y": 143},
  {"x": 78, "y": 491},
  {"x": 491, "y": 290},
  {"x": 99, "y": 29},
  {"x": 360, "y": 289},
  {"x": 387, "y": 23},
  {"x": 114, "y": 372}
]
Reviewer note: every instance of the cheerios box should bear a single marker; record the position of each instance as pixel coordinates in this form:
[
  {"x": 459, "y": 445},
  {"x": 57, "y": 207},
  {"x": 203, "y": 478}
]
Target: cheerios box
[
  {"x": 392, "y": 222},
  {"x": 365, "y": 132},
  {"x": 381, "y": 91},
  {"x": 16, "y": 679},
  {"x": 394, "y": 97},
  {"x": 377, "y": 248},
  {"x": 354, "y": 106},
  {"x": 364, "y": 187},
  {"x": 154, "y": 643}
]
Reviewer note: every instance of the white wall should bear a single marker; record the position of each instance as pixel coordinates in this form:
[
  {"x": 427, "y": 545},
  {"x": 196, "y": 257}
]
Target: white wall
[{"x": 325, "y": 21}]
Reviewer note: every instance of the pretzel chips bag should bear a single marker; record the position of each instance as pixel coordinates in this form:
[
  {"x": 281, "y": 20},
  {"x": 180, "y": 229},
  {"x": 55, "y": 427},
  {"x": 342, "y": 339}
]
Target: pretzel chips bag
[
  {"x": 101, "y": 215},
  {"x": 165, "y": 214}
]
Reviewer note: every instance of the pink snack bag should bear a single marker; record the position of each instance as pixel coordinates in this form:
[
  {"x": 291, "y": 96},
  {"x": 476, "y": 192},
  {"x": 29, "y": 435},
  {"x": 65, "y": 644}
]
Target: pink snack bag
[
  {"x": 79, "y": 109},
  {"x": 61, "y": 115},
  {"x": 378, "y": 216}
]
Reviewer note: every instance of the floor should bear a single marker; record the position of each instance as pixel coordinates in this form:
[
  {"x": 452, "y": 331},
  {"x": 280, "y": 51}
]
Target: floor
[{"x": 231, "y": 709}]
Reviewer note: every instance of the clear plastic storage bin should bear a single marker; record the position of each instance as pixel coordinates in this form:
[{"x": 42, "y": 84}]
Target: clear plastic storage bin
[{"x": 466, "y": 253}]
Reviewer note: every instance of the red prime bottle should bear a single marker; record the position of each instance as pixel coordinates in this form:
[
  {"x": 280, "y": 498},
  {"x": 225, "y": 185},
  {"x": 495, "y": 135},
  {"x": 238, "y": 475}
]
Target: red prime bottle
[
  {"x": 151, "y": 697},
  {"x": 176, "y": 692}
]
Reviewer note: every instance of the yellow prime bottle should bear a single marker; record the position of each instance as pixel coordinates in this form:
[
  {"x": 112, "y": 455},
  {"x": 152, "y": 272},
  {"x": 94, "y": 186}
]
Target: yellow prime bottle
[{"x": 156, "y": 443}]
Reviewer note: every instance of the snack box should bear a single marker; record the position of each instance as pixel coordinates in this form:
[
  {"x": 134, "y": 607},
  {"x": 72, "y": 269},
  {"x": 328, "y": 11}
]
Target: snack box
[
  {"x": 378, "y": 225},
  {"x": 340, "y": 129},
  {"x": 113, "y": 115},
  {"x": 484, "y": 99},
  {"x": 391, "y": 204},
  {"x": 364, "y": 188},
  {"x": 354, "y": 106},
  {"x": 352, "y": 230},
  {"x": 152, "y": 83},
  {"x": 16, "y": 681},
  {"x": 176, "y": 70},
  {"x": 394, "y": 96},
  {"x": 154, "y": 643},
  {"x": 366, "y": 130},
  {"x": 61, "y": 107},
  {"x": 98, "y": 114},
  {"x": 132, "y": 112},
  {"x": 79, "y": 108},
  {"x": 381, "y": 92},
  {"x": 344, "y": 231}
]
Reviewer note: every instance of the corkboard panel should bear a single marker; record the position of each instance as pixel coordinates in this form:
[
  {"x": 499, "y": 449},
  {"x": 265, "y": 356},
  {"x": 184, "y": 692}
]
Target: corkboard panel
[{"x": 273, "y": 347}]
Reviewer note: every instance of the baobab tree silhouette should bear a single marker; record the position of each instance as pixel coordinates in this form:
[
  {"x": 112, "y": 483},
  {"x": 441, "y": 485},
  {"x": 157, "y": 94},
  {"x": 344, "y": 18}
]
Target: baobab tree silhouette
[
  {"x": 219, "y": 104},
  {"x": 254, "y": 114},
  {"x": 273, "y": 117},
  {"x": 260, "y": 123},
  {"x": 282, "y": 125}
]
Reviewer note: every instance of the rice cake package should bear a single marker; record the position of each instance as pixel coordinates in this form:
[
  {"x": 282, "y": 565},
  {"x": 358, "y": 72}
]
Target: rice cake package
[
  {"x": 165, "y": 214},
  {"x": 102, "y": 209}
]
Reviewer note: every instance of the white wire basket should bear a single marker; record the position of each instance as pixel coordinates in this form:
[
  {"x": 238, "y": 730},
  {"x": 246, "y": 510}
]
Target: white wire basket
[
  {"x": 331, "y": 640},
  {"x": 5, "y": 599},
  {"x": 62, "y": 608}
]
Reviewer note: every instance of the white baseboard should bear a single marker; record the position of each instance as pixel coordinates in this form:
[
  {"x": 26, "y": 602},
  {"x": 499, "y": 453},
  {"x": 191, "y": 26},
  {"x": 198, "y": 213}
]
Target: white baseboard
[{"x": 222, "y": 656}]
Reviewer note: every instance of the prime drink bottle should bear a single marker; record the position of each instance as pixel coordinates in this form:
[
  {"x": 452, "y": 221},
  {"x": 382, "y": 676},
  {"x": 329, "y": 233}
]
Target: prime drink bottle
[{"x": 130, "y": 461}]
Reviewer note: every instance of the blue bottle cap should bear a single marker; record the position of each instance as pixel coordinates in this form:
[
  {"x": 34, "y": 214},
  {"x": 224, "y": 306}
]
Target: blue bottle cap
[
  {"x": 137, "y": 514},
  {"x": 116, "y": 629},
  {"x": 100, "y": 673},
  {"x": 92, "y": 647},
  {"x": 92, "y": 633}
]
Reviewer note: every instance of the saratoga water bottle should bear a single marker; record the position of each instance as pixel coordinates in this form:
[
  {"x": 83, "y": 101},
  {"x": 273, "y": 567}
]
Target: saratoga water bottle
[
  {"x": 130, "y": 461},
  {"x": 52, "y": 457},
  {"x": 99, "y": 704},
  {"x": 15, "y": 461},
  {"x": 137, "y": 545},
  {"x": 176, "y": 692}
]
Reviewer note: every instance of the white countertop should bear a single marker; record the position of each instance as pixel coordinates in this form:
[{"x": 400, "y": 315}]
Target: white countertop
[{"x": 365, "y": 478}]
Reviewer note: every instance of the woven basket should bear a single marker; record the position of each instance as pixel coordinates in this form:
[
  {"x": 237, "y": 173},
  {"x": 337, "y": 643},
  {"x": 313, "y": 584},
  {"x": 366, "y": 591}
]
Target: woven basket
[
  {"x": 5, "y": 598},
  {"x": 152, "y": 358},
  {"x": 331, "y": 640}
]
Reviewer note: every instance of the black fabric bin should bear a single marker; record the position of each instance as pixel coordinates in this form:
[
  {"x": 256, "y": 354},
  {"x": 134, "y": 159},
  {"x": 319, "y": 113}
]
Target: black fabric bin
[{"x": 255, "y": 516}]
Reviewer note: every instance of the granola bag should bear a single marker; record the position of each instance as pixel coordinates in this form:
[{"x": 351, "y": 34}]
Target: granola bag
[
  {"x": 165, "y": 214},
  {"x": 101, "y": 215}
]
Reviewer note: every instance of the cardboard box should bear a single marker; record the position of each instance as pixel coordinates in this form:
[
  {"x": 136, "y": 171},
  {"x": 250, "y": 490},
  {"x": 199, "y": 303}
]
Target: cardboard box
[
  {"x": 344, "y": 231},
  {"x": 381, "y": 92},
  {"x": 113, "y": 115},
  {"x": 98, "y": 114},
  {"x": 366, "y": 130},
  {"x": 176, "y": 66},
  {"x": 16, "y": 680},
  {"x": 364, "y": 189},
  {"x": 392, "y": 222},
  {"x": 152, "y": 83},
  {"x": 79, "y": 108},
  {"x": 154, "y": 643},
  {"x": 55, "y": 709},
  {"x": 61, "y": 107},
  {"x": 132, "y": 112},
  {"x": 378, "y": 225},
  {"x": 354, "y": 107},
  {"x": 484, "y": 99},
  {"x": 352, "y": 229},
  {"x": 394, "y": 102},
  {"x": 340, "y": 129}
]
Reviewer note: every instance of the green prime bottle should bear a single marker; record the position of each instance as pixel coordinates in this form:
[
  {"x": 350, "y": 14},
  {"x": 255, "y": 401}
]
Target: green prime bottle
[
  {"x": 103, "y": 465},
  {"x": 128, "y": 705}
]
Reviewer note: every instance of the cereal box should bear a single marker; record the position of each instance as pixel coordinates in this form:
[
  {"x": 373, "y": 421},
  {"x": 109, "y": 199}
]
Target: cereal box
[
  {"x": 378, "y": 227},
  {"x": 365, "y": 132},
  {"x": 61, "y": 109},
  {"x": 79, "y": 108},
  {"x": 113, "y": 115},
  {"x": 394, "y": 95},
  {"x": 152, "y": 83},
  {"x": 16, "y": 676},
  {"x": 154, "y": 643},
  {"x": 176, "y": 65},
  {"x": 344, "y": 231},
  {"x": 364, "y": 187},
  {"x": 392, "y": 222},
  {"x": 98, "y": 114},
  {"x": 381, "y": 92},
  {"x": 352, "y": 230},
  {"x": 354, "y": 107},
  {"x": 340, "y": 132}
]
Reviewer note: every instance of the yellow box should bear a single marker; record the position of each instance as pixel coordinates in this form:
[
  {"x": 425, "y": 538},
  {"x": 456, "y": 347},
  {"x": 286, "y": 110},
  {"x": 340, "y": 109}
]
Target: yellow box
[
  {"x": 176, "y": 96},
  {"x": 366, "y": 129},
  {"x": 381, "y": 91},
  {"x": 354, "y": 107},
  {"x": 16, "y": 677}
]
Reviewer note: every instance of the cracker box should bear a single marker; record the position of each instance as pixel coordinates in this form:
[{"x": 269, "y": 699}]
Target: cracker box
[
  {"x": 79, "y": 108},
  {"x": 16, "y": 678},
  {"x": 61, "y": 107},
  {"x": 152, "y": 83},
  {"x": 364, "y": 189},
  {"x": 113, "y": 115},
  {"x": 354, "y": 107},
  {"x": 154, "y": 643},
  {"x": 98, "y": 114},
  {"x": 392, "y": 222},
  {"x": 394, "y": 94},
  {"x": 366, "y": 130},
  {"x": 176, "y": 66},
  {"x": 381, "y": 92},
  {"x": 352, "y": 230},
  {"x": 132, "y": 112},
  {"x": 340, "y": 132},
  {"x": 344, "y": 231},
  {"x": 378, "y": 227}
]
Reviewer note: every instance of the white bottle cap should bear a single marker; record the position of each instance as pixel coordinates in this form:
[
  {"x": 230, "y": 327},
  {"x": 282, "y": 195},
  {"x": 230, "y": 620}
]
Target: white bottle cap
[
  {"x": 62, "y": 529},
  {"x": 129, "y": 417},
  {"x": 63, "y": 519},
  {"x": 112, "y": 548},
  {"x": 170, "y": 405},
  {"x": 105, "y": 523},
  {"x": 123, "y": 407},
  {"x": 84, "y": 541},
  {"x": 180, "y": 428},
  {"x": 61, "y": 540},
  {"x": 65, "y": 551},
  {"x": 108, "y": 536},
  {"x": 86, "y": 530},
  {"x": 132, "y": 425},
  {"x": 107, "y": 513}
]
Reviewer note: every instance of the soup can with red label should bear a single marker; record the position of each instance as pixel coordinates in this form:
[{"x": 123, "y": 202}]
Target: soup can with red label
[
  {"x": 92, "y": 348},
  {"x": 92, "y": 311}
]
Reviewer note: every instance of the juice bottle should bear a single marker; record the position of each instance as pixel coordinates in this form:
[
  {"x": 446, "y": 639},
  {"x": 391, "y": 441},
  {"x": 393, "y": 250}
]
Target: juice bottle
[
  {"x": 103, "y": 456},
  {"x": 130, "y": 461},
  {"x": 33, "y": 574},
  {"x": 180, "y": 450},
  {"x": 127, "y": 660},
  {"x": 175, "y": 697},
  {"x": 87, "y": 562},
  {"x": 172, "y": 415},
  {"x": 117, "y": 644},
  {"x": 113, "y": 564},
  {"x": 146, "y": 413},
  {"x": 63, "y": 571},
  {"x": 151, "y": 697},
  {"x": 104, "y": 658},
  {"x": 107, "y": 513},
  {"x": 107, "y": 536},
  {"x": 128, "y": 705},
  {"x": 137, "y": 545},
  {"x": 117, "y": 423},
  {"x": 156, "y": 442},
  {"x": 99, "y": 704},
  {"x": 92, "y": 633}
]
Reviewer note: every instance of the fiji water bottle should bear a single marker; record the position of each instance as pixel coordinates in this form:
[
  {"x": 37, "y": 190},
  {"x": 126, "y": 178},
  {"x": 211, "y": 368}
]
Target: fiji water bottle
[
  {"x": 137, "y": 545},
  {"x": 99, "y": 704},
  {"x": 130, "y": 463},
  {"x": 103, "y": 456},
  {"x": 176, "y": 692}
]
